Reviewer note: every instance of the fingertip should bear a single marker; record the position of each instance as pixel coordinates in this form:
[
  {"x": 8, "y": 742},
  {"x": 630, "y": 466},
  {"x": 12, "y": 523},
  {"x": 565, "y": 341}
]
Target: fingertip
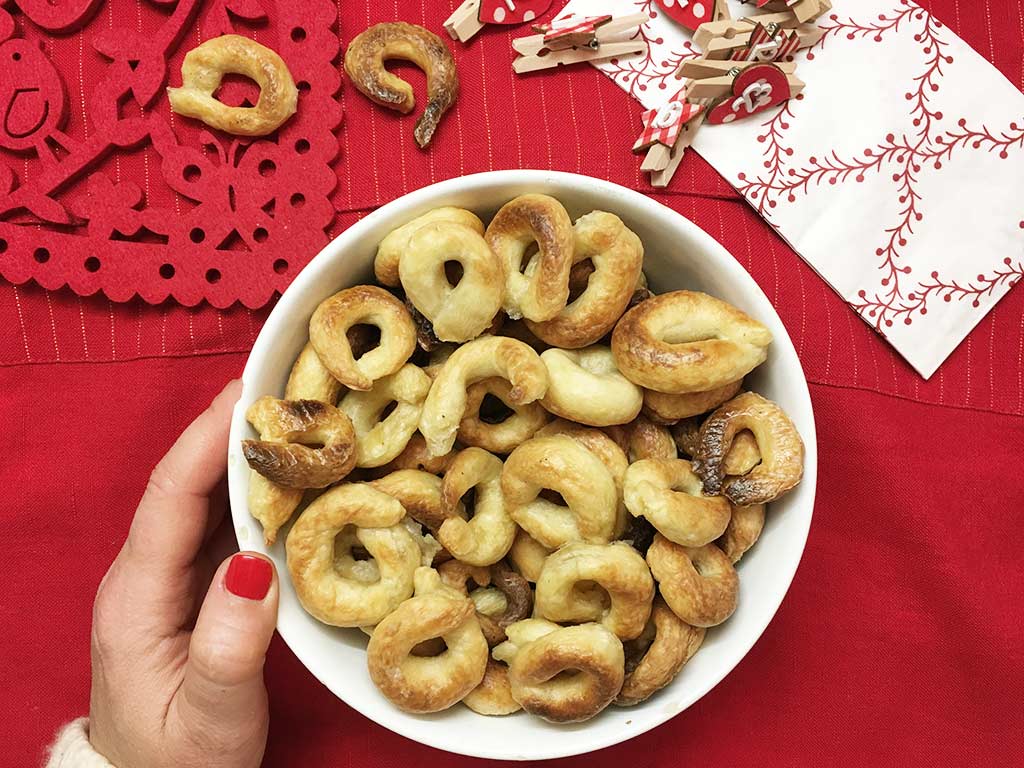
[
  {"x": 229, "y": 395},
  {"x": 228, "y": 646},
  {"x": 250, "y": 576}
]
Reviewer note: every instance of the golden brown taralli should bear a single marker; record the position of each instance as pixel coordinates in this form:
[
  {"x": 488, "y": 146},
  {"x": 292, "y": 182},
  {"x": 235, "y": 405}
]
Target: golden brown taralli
[
  {"x": 482, "y": 358},
  {"x": 417, "y": 456},
  {"x": 310, "y": 380},
  {"x": 330, "y": 583},
  {"x": 606, "y": 449},
  {"x": 655, "y": 658},
  {"x": 742, "y": 457},
  {"x": 272, "y": 504},
  {"x": 647, "y": 440},
  {"x": 493, "y": 697},
  {"x": 420, "y": 494},
  {"x": 616, "y": 255},
  {"x": 743, "y": 531},
  {"x": 428, "y": 683},
  {"x": 538, "y": 651},
  {"x": 698, "y": 583},
  {"x": 362, "y": 305},
  {"x": 369, "y": 50},
  {"x": 778, "y": 442},
  {"x": 668, "y": 409},
  {"x": 517, "y": 592},
  {"x": 585, "y": 386},
  {"x": 391, "y": 248},
  {"x": 541, "y": 292},
  {"x": 456, "y": 312},
  {"x": 478, "y": 429},
  {"x": 561, "y": 464},
  {"x": 685, "y": 341},
  {"x": 527, "y": 556},
  {"x": 670, "y": 496},
  {"x": 380, "y": 438},
  {"x": 486, "y": 536},
  {"x": 284, "y": 425},
  {"x": 623, "y": 602}
]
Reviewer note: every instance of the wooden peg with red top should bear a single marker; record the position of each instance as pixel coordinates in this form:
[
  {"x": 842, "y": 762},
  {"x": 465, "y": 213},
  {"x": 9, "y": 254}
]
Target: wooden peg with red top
[
  {"x": 690, "y": 14},
  {"x": 578, "y": 38},
  {"x": 728, "y": 29},
  {"x": 763, "y": 43},
  {"x": 470, "y": 17},
  {"x": 803, "y": 10}
]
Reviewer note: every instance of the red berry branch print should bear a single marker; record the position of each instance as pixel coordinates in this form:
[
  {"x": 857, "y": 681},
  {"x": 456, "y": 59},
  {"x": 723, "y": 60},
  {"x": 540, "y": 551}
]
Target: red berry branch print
[
  {"x": 916, "y": 301},
  {"x": 902, "y": 157}
]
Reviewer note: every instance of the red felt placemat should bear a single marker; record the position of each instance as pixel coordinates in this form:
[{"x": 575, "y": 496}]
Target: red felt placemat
[{"x": 103, "y": 189}]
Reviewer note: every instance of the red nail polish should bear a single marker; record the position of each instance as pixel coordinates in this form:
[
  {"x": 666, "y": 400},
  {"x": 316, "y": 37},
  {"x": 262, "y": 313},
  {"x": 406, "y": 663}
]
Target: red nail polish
[{"x": 248, "y": 576}]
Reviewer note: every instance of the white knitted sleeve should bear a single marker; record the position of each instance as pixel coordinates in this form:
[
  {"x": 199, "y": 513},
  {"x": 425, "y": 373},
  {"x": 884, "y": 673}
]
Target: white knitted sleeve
[{"x": 73, "y": 750}]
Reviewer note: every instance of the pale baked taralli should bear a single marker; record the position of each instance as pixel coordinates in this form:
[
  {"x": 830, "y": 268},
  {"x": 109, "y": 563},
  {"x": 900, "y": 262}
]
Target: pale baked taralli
[
  {"x": 538, "y": 480},
  {"x": 685, "y": 341},
  {"x": 205, "y": 66}
]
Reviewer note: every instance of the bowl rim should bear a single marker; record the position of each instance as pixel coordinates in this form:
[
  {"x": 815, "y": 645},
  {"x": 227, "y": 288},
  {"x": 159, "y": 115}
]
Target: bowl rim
[{"x": 708, "y": 246}]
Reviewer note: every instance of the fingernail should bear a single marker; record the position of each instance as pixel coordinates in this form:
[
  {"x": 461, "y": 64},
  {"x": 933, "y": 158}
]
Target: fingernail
[{"x": 248, "y": 576}]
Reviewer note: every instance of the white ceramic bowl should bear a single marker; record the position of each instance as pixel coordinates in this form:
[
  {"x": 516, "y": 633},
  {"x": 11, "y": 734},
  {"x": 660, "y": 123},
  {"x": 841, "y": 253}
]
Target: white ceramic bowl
[{"x": 677, "y": 254}]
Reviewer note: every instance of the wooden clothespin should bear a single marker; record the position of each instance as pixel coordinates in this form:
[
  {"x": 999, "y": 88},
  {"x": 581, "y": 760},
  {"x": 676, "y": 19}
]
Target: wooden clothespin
[
  {"x": 715, "y": 79},
  {"x": 808, "y": 10},
  {"x": 667, "y": 132},
  {"x": 567, "y": 41},
  {"x": 761, "y": 42},
  {"x": 660, "y": 178},
  {"x": 803, "y": 10},
  {"x": 730, "y": 28},
  {"x": 716, "y": 92},
  {"x": 470, "y": 17}
]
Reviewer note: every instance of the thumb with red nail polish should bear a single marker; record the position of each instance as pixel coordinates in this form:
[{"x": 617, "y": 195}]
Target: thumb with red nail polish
[
  {"x": 223, "y": 689},
  {"x": 172, "y": 688}
]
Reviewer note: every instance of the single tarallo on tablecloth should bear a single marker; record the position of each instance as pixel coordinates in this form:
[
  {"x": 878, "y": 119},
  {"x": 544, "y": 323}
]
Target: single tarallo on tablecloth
[{"x": 897, "y": 174}]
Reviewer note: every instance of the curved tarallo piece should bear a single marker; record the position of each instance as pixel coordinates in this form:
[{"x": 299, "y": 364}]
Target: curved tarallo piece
[{"x": 364, "y": 62}]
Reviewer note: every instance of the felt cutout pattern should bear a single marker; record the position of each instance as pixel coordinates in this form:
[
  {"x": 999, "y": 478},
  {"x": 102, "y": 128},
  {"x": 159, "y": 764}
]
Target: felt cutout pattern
[{"x": 219, "y": 219}]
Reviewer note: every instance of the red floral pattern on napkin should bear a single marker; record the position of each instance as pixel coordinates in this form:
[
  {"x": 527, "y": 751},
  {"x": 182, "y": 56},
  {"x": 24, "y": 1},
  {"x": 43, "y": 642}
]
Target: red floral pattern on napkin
[{"x": 897, "y": 173}]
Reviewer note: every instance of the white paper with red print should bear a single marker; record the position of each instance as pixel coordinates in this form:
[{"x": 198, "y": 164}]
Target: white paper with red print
[{"x": 898, "y": 174}]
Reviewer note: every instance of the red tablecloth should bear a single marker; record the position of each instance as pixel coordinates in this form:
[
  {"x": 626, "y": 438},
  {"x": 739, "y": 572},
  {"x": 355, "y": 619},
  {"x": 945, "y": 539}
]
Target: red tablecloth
[{"x": 902, "y": 638}]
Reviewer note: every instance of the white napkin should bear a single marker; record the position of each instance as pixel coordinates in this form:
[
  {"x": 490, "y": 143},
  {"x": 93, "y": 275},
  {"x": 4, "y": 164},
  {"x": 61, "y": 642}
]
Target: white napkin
[{"x": 898, "y": 175}]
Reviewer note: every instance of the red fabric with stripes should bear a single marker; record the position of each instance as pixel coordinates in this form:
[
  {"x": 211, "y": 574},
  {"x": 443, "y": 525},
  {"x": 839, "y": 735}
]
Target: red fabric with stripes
[{"x": 903, "y": 631}]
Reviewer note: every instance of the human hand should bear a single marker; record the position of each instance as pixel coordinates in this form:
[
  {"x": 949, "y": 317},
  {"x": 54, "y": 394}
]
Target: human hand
[{"x": 177, "y": 680}]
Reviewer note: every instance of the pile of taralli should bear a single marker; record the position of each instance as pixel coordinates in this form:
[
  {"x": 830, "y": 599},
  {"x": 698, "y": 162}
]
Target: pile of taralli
[{"x": 498, "y": 426}]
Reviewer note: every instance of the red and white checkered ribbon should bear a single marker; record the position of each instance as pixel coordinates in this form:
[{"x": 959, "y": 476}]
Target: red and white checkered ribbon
[
  {"x": 571, "y": 26},
  {"x": 663, "y": 125}
]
